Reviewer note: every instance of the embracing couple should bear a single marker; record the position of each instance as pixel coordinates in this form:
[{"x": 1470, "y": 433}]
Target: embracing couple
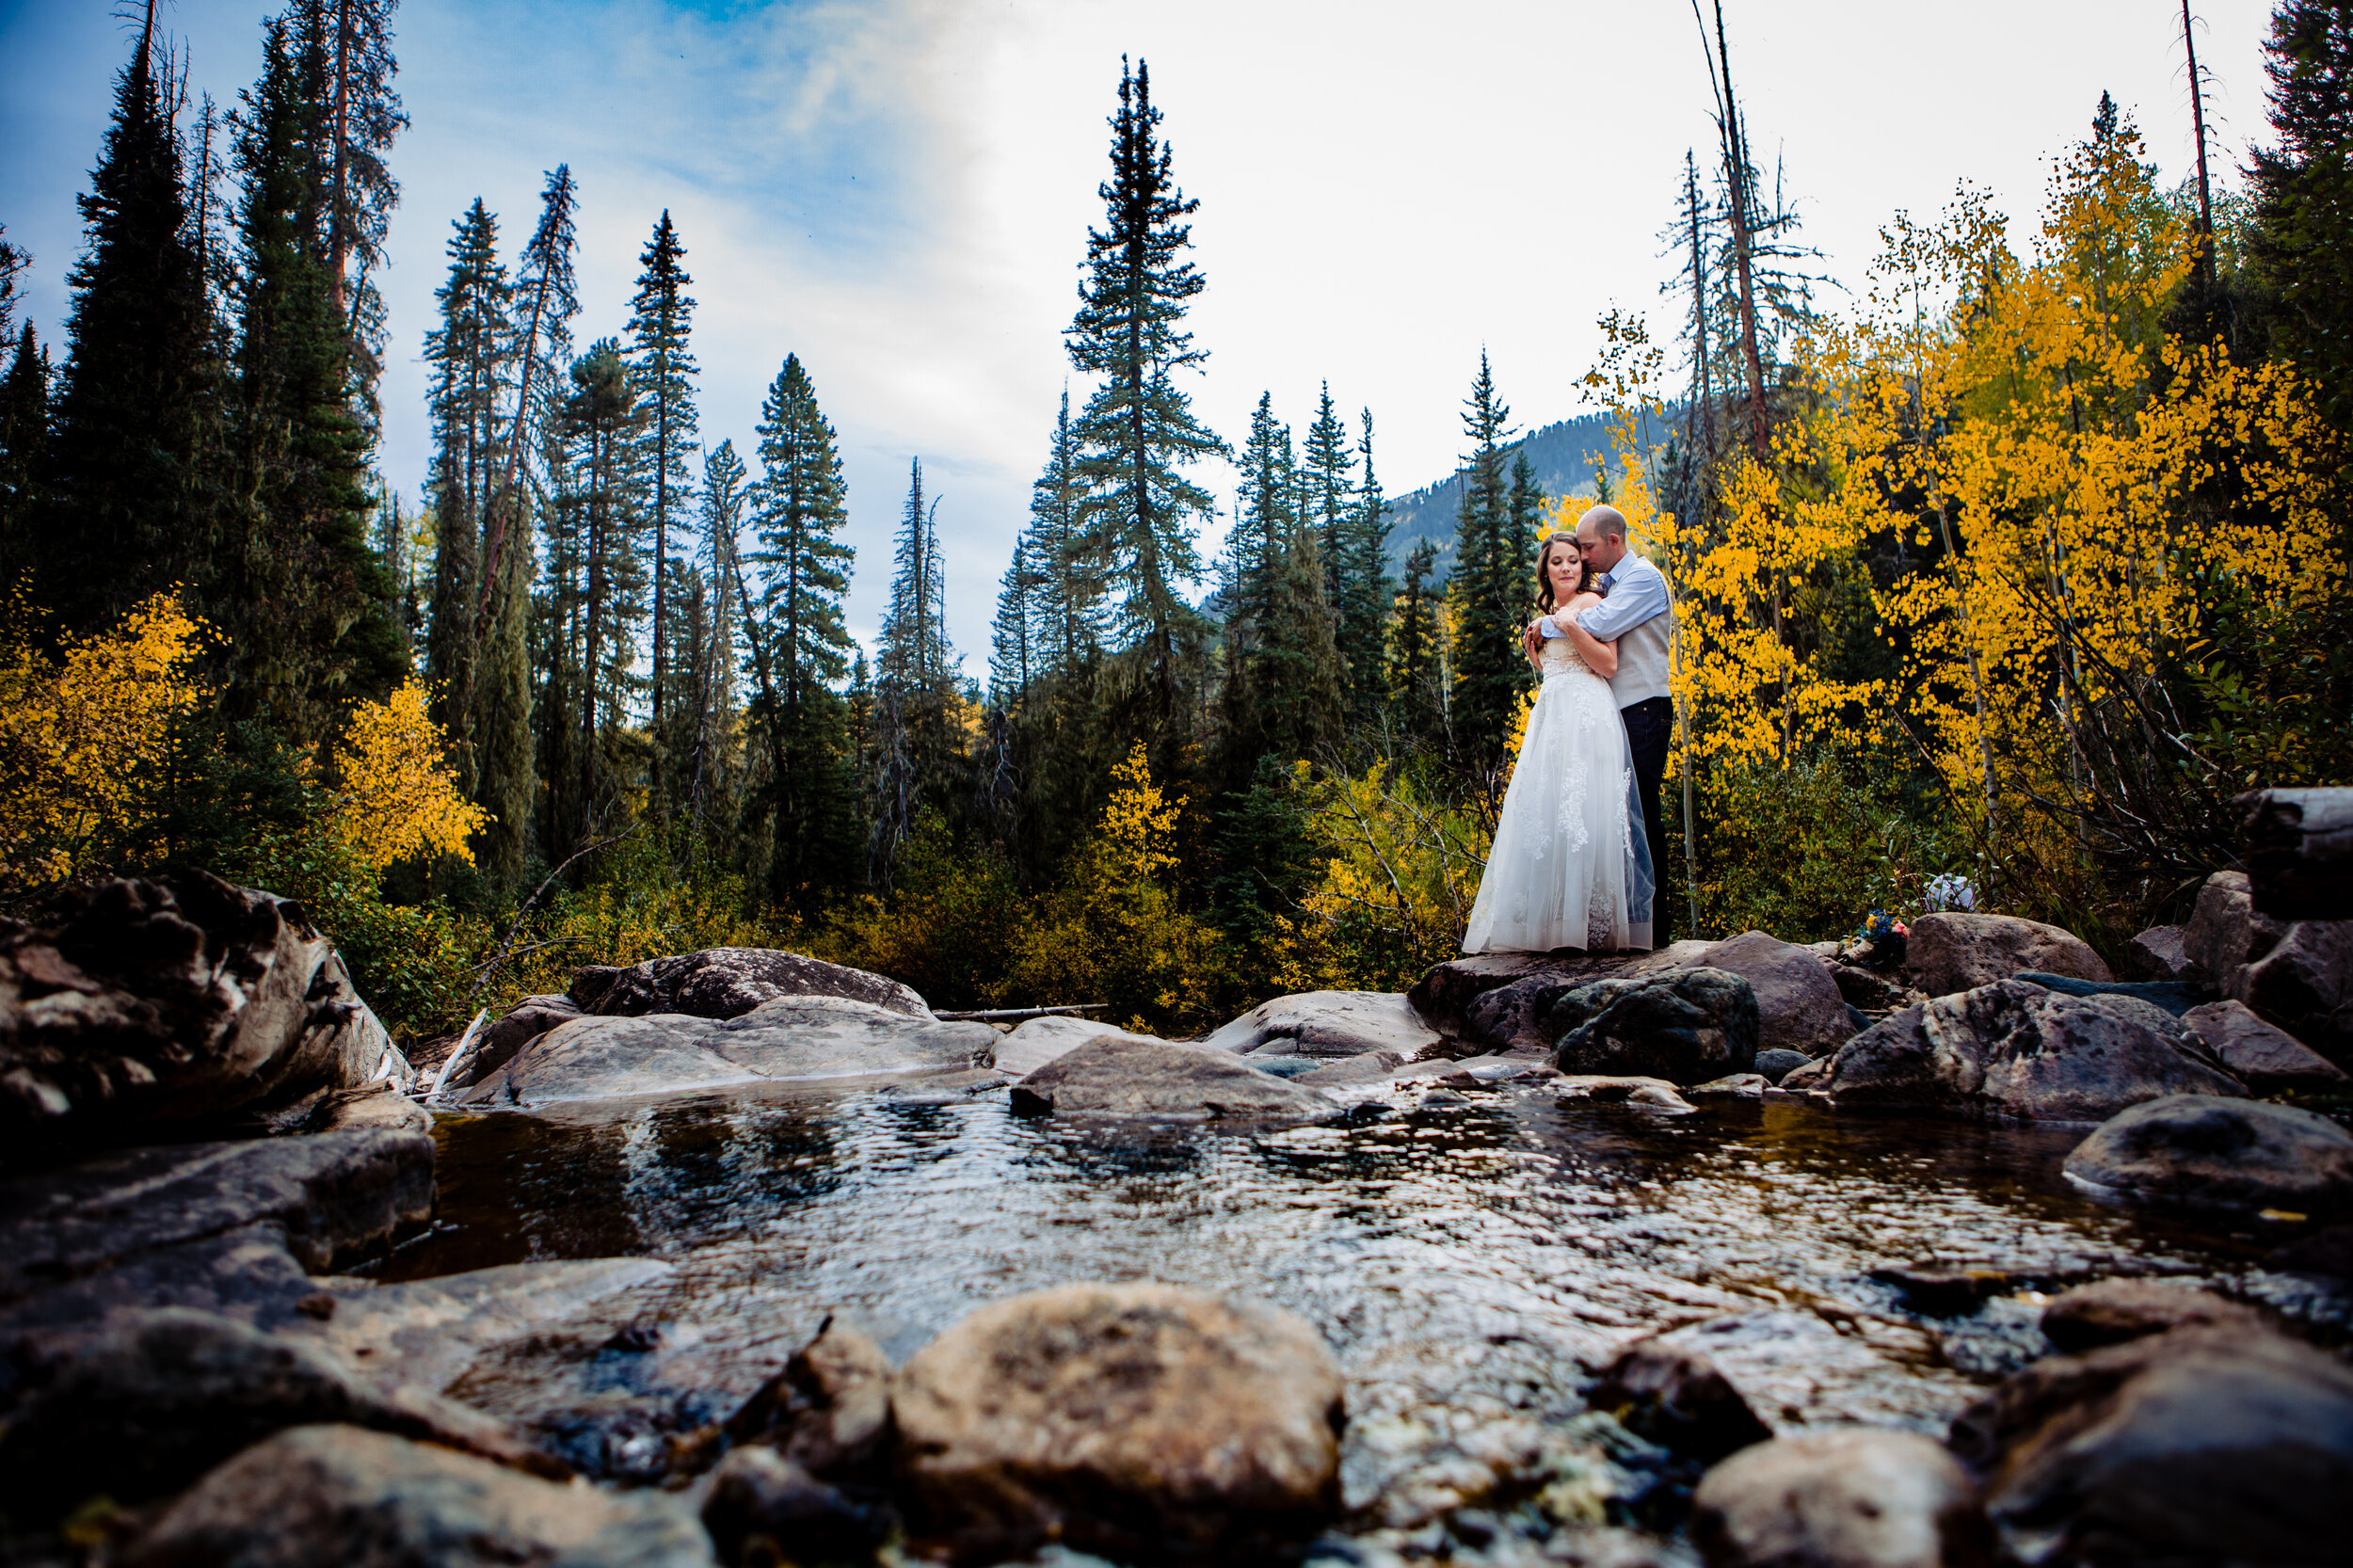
[{"x": 1580, "y": 840}]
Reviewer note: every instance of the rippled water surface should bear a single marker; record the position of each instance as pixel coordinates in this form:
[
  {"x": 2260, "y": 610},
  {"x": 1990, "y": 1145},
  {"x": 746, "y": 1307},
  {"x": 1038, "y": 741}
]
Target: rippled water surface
[{"x": 1467, "y": 1261}]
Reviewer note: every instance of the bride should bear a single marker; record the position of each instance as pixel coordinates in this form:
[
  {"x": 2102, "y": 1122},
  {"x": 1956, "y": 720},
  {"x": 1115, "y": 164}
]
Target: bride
[{"x": 1570, "y": 867}]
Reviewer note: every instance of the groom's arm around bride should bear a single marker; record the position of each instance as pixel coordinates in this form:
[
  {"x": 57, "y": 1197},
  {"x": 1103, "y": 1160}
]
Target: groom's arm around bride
[{"x": 1639, "y": 618}]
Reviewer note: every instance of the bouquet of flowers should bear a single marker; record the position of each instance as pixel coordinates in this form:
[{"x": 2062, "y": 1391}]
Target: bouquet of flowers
[{"x": 1880, "y": 941}]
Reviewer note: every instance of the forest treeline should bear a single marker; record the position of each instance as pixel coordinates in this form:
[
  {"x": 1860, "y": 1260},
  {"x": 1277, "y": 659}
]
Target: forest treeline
[{"x": 2014, "y": 569}]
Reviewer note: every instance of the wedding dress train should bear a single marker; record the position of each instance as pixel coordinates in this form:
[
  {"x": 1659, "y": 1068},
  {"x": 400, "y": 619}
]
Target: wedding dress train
[{"x": 1570, "y": 867}]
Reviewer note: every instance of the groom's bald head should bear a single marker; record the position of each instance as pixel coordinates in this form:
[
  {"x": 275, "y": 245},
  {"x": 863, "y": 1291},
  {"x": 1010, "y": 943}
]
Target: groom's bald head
[{"x": 1601, "y": 536}]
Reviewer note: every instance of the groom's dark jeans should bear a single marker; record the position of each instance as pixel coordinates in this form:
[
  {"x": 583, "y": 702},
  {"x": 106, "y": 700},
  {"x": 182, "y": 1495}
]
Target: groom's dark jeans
[{"x": 1648, "y": 725}]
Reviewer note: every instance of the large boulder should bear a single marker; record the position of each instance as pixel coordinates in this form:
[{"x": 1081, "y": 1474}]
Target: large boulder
[
  {"x": 1956, "y": 950},
  {"x": 2305, "y": 985},
  {"x": 336, "y": 1494},
  {"x": 1798, "y": 1001},
  {"x": 727, "y": 982},
  {"x": 2112, "y": 1311},
  {"x": 2015, "y": 1050},
  {"x": 1115, "y": 1076},
  {"x": 149, "y": 1399},
  {"x": 1331, "y": 1024},
  {"x": 2206, "y": 1150},
  {"x": 1851, "y": 1498},
  {"x": 2266, "y": 1058},
  {"x": 1130, "y": 1420},
  {"x": 791, "y": 1039},
  {"x": 2217, "y": 1445},
  {"x": 1685, "y": 1025},
  {"x": 1444, "y": 997},
  {"x": 2160, "y": 953},
  {"x": 828, "y": 1411},
  {"x": 1039, "y": 1041},
  {"x": 2225, "y": 933},
  {"x": 155, "y": 1007}
]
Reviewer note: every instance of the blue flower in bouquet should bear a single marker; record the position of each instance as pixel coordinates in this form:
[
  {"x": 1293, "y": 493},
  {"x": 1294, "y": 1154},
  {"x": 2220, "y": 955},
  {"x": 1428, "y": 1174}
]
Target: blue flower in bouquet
[{"x": 1883, "y": 937}]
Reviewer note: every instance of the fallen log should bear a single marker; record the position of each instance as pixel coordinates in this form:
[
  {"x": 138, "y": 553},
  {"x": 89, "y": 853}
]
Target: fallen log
[
  {"x": 2299, "y": 852},
  {"x": 1020, "y": 1014}
]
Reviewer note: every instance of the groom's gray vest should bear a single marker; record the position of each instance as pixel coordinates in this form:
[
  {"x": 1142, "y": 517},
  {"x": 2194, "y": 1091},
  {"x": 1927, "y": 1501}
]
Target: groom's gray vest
[{"x": 1644, "y": 651}]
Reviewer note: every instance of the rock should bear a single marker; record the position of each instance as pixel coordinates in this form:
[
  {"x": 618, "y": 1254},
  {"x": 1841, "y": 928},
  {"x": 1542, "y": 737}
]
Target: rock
[
  {"x": 502, "y": 1041},
  {"x": 1517, "y": 1016},
  {"x": 1674, "y": 1396},
  {"x": 330, "y": 1494},
  {"x": 223, "y": 1226},
  {"x": 1939, "y": 1291},
  {"x": 2160, "y": 953},
  {"x": 1744, "y": 1086},
  {"x": 1799, "y": 1004},
  {"x": 1115, "y": 1077},
  {"x": 1126, "y": 1420},
  {"x": 791, "y": 1039},
  {"x": 2110, "y": 1311},
  {"x": 2220, "y": 1445},
  {"x": 1852, "y": 1498},
  {"x": 1954, "y": 950},
  {"x": 379, "y": 1106},
  {"x": 1870, "y": 992},
  {"x": 150, "y": 1400},
  {"x": 2012, "y": 1049},
  {"x": 1686, "y": 1025},
  {"x": 2269, "y": 1060},
  {"x": 727, "y": 982},
  {"x": 2225, "y": 933},
  {"x": 2300, "y": 851},
  {"x": 2170, "y": 997},
  {"x": 1805, "y": 1079},
  {"x": 2305, "y": 985},
  {"x": 1613, "y": 1089},
  {"x": 2326, "y": 1253},
  {"x": 1443, "y": 997},
  {"x": 1778, "y": 1064},
  {"x": 828, "y": 1410},
  {"x": 1370, "y": 1067},
  {"x": 2201, "y": 1150},
  {"x": 1331, "y": 1024},
  {"x": 761, "y": 1508},
  {"x": 168, "y": 1006},
  {"x": 1038, "y": 1041}
]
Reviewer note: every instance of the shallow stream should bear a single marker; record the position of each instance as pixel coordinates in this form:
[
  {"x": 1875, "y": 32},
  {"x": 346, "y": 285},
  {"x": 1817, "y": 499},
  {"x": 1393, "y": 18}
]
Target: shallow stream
[{"x": 1468, "y": 1258}]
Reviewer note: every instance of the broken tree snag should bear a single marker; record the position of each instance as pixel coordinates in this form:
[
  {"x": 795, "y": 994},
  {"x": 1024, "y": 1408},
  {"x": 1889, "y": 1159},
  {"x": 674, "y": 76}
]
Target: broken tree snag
[
  {"x": 2299, "y": 852},
  {"x": 1020, "y": 1014}
]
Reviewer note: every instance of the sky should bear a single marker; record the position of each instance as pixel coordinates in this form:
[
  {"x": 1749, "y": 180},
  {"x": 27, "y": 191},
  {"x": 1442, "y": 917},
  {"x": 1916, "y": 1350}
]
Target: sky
[{"x": 899, "y": 190}]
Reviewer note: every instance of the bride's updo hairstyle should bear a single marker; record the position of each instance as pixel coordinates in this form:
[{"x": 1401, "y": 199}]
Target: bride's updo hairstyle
[{"x": 1585, "y": 584}]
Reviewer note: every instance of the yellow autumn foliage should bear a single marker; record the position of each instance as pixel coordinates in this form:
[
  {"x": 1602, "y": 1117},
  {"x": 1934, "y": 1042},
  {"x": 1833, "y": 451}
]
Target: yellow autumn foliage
[{"x": 396, "y": 795}]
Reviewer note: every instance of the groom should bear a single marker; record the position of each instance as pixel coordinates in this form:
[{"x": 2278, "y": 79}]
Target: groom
[{"x": 1637, "y": 618}]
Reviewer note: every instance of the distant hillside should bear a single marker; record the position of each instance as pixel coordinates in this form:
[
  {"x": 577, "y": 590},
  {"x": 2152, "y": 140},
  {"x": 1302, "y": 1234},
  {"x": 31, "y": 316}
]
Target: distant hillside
[{"x": 1564, "y": 456}]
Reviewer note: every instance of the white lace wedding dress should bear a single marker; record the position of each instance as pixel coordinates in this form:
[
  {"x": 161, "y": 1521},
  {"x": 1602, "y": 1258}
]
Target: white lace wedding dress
[{"x": 1570, "y": 867}]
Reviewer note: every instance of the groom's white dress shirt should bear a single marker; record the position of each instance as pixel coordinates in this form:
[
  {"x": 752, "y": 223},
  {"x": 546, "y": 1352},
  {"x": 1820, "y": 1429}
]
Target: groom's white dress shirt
[{"x": 1640, "y": 619}]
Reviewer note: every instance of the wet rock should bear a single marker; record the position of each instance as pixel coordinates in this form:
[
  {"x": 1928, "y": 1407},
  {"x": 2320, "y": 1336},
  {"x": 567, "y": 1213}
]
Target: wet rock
[
  {"x": 1128, "y": 1419},
  {"x": 2268, "y": 1059},
  {"x": 2161, "y": 953},
  {"x": 763, "y": 1508},
  {"x": 1955, "y": 950},
  {"x": 150, "y": 1400},
  {"x": 1746, "y": 1086},
  {"x": 1370, "y": 1067},
  {"x": 502, "y": 1041},
  {"x": 2013, "y": 1049},
  {"x": 2225, "y": 933},
  {"x": 727, "y": 982},
  {"x": 1038, "y": 1041},
  {"x": 1443, "y": 998},
  {"x": 2110, "y": 1311},
  {"x": 2305, "y": 985},
  {"x": 1676, "y": 1398},
  {"x": 2172, "y": 997},
  {"x": 1330, "y": 1024},
  {"x": 1938, "y": 1291},
  {"x": 1805, "y": 1079},
  {"x": 1870, "y": 992},
  {"x": 230, "y": 1226},
  {"x": 2220, "y": 1445},
  {"x": 1778, "y": 1064},
  {"x": 1798, "y": 1001},
  {"x": 1686, "y": 1025},
  {"x": 1518, "y": 1017},
  {"x": 378, "y": 1107},
  {"x": 2202, "y": 1149},
  {"x": 1857, "y": 1498},
  {"x": 2326, "y": 1253},
  {"x": 1616, "y": 1089},
  {"x": 333, "y": 1494},
  {"x": 792, "y": 1039},
  {"x": 828, "y": 1410},
  {"x": 1113, "y": 1077},
  {"x": 152, "y": 1007}
]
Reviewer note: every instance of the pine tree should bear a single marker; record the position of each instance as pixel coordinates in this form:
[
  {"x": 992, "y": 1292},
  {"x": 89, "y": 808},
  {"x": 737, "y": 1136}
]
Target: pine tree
[
  {"x": 713, "y": 761},
  {"x": 1283, "y": 694},
  {"x": 661, "y": 319},
  {"x": 800, "y": 644},
  {"x": 472, "y": 372},
  {"x": 129, "y": 508},
  {"x": 364, "y": 115},
  {"x": 1366, "y": 589},
  {"x": 1138, "y": 428},
  {"x": 914, "y": 739},
  {"x": 546, "y": 299},
  {"x": 2303, "y": 189},
  {"x": 1013, "y": 651},
  {"x": 23, "y": 442},
  {"x": 1489, "y": 668},
  {"x": 1417, "y": 650},
  {"x": 1069, "y": 629}
]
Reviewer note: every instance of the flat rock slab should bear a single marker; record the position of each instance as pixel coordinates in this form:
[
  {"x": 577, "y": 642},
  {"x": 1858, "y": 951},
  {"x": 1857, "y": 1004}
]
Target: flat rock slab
[
  {"x": 2260, "y": 1054},
  {"x": 1115, "y": 1076},
  {"x": 727, "y": 982},
  {"x": 791, "y": 1039},
  {"x": 1332, "y": 1024},
  {"x": 1953, "y": 951},
  {"x": 2201, "y": 1150},
  {"x": 336, "y": 1494},
  {"x": 1126, "y": 1419},
  {"x": 1039, "y": 1041}
]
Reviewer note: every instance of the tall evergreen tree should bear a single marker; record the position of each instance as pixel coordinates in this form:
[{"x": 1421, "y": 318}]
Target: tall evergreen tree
[
  {"x": 1283, "y": 691},
  {"x": 1418, "y": 682},
  {"x": 469, "y": 354},
  {"x": 1013, "y": 648},
  {"x": 2303, "y": 189},
  {"x": 1069, "y": 599},
  {"x": 1487, "y": 587},
  {"x": 546, "y": 299},
  {"x": 661, "y": 318},
  {"x": 1364, "y": 589},
  {"x": 713, "y": 761},
  {"x": 1138, "y": 429},
  {"x": 130, "y": 504},
  {"x": 24, "y": 441}
]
